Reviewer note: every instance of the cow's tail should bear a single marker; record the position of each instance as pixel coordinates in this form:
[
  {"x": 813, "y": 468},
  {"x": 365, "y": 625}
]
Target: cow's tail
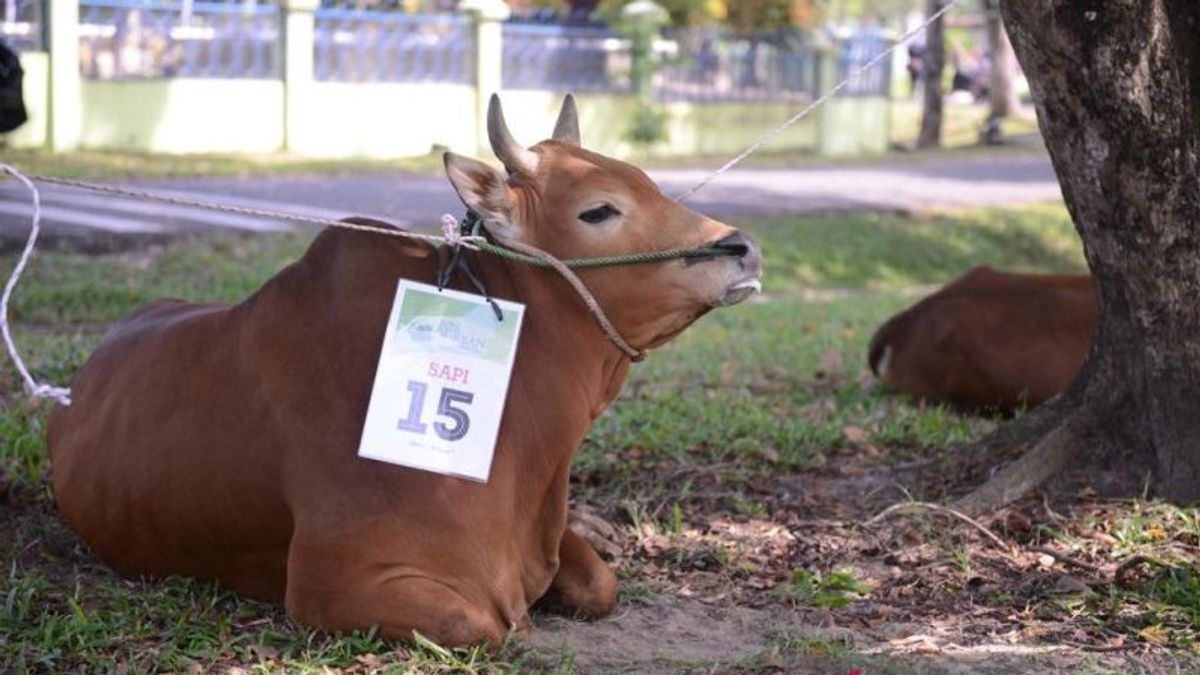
[{"x": 879, "y": 353}]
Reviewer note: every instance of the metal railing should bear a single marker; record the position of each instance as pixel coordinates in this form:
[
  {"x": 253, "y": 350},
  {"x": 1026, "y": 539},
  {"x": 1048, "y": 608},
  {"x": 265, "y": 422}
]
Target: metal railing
[
  {"x": 21, "y": 24},
  {"x": 564, "y": 58},
  {"x": 711, "y": 65},
  {"x": 696, "y": 64},
  {"x": 858, "y": 48},
  {"x": 131, "y": 39},
  {"x": 372, "y": 46}
]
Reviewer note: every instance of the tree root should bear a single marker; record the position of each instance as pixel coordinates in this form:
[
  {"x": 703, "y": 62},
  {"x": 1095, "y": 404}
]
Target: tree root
[
  {"x": 1047, "y": 457},
  {"x": 1002, "y": 443},
  {"x": 903, "y": 507}
]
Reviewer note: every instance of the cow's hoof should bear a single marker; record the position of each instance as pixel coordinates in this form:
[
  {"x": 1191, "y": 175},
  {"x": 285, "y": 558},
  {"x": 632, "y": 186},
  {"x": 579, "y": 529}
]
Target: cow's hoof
[{"x": 591, "y": 599}]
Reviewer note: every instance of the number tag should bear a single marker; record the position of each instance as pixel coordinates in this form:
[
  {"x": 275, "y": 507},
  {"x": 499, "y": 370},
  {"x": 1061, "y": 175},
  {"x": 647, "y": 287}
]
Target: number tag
[{"x": 441, "y": 381}]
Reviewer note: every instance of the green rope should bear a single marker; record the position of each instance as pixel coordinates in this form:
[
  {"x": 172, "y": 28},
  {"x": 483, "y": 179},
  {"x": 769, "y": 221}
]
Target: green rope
[{"x": 476, "y": 226}]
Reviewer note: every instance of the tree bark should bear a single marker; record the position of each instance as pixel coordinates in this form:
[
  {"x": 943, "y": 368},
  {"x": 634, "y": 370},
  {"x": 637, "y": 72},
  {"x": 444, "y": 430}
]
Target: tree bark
[
  {"x": 1117, "y": 88},
  {"x": 935, "y": 63}
]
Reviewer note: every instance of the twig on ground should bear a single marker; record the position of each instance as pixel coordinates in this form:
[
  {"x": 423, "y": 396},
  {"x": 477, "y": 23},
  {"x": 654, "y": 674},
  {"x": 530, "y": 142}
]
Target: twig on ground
[
  {"x": 920, "y": 463},
  {"x": 926, "y": 506},
  {"x": 1063, "y": 557},
  {"x": 1055, "y": 516},
  {"x": 1101, "y": 648}
]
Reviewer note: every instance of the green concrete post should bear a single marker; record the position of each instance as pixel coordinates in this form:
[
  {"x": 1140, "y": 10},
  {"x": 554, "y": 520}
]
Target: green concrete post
[
  {"x": 641, "y": 22},
  {"x": 487, "y": 17},
  {"x": 827, "y": 76},
  {"x": 66, "y": 91},
  {"x": 298, "y": 71}
]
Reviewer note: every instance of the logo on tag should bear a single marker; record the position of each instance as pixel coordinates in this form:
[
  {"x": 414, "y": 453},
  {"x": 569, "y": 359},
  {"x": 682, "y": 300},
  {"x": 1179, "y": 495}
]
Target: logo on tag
[{"x": 441, "y": 381}]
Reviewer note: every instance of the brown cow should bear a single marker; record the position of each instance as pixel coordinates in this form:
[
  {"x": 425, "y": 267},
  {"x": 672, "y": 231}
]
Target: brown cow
[
  {"x": 989, "y": 340},
  {"x": 220, "y": 441}
]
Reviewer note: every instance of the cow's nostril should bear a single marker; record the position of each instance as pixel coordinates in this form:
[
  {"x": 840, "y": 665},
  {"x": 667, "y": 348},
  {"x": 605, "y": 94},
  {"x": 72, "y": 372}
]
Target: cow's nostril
[{"x": 737, "y": 244}]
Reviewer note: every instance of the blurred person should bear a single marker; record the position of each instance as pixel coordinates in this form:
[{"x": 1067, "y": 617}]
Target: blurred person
[{"x": 916, "y": 64}]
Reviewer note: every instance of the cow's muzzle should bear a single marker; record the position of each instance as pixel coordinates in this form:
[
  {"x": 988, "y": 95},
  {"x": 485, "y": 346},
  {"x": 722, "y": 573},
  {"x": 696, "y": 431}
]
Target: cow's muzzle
[{"x": 747, "y": 269}]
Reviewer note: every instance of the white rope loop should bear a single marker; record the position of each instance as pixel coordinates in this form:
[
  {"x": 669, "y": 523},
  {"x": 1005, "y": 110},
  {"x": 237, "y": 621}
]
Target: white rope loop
[{"x": 36, "y": 389}]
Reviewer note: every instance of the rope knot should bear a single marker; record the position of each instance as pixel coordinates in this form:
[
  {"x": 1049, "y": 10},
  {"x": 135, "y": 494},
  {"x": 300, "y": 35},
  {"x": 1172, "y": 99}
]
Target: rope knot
[
  {"x": 452, "y": 232},
  {"x": 43, "y": 390}
]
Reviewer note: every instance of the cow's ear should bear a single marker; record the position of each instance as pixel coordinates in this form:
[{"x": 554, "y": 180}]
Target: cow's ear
[{"x": 484, "y": 191}]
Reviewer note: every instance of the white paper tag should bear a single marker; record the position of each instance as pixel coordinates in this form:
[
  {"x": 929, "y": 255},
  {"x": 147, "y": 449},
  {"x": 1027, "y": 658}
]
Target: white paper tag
[{"x": 441, "y": 382}]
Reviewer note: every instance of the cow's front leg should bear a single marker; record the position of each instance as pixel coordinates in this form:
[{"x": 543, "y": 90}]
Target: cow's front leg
[
  {"x": 335, "y": 589},
  {"x": 584, "y": 582}
]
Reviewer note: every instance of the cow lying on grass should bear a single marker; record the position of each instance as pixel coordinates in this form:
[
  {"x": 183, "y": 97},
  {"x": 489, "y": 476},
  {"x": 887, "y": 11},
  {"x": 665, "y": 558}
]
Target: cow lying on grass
[
  {"x": 989, "y": 340},
  {"x": 220, "y": 441}
]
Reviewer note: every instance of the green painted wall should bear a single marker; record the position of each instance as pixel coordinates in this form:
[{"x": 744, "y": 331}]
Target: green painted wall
[
  {"x": 403, "y": 120},
  {"x": 692, "y": 128},
  {"x": 184, "y": 116},
  {"x": 36, "y": 88},
  {"x": 854, "y": 126},
  {"x": 297, "y": 114}
]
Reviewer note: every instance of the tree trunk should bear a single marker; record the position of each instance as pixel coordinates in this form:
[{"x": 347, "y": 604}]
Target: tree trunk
[
  {"x": 935, "y": 63},
  {"x": 1117, "y": 87}
]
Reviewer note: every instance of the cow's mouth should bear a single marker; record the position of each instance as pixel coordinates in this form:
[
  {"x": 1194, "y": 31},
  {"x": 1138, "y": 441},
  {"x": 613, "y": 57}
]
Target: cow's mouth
[{"x": 740, "y": 291}]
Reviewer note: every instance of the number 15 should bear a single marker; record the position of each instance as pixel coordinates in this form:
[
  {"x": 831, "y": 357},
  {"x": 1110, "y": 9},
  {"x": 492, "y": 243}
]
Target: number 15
[{"x": 460, "y": 422}]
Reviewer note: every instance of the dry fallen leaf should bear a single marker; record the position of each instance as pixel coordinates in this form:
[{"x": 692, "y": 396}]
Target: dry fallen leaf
[
  {"x": 856, "y": 435},
  {"x": 1155, "y": 634}
]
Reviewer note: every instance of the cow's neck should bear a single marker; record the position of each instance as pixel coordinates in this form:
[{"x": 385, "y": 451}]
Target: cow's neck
[
  {"x": 567, "y": 373},
  {"x": 571, "y": 365}
]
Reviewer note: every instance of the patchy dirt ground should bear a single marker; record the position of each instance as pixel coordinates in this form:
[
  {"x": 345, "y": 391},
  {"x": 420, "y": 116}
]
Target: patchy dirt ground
[{"x": 708, "y": 587}]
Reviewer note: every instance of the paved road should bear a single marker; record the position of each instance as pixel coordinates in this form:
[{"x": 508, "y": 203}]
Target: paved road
[{"x": 418, "y": 201}]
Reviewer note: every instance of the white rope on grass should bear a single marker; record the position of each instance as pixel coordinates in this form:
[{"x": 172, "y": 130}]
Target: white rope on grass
[
  {"x": 855, "y": 72},
  {"x": 36, "y": 389}
]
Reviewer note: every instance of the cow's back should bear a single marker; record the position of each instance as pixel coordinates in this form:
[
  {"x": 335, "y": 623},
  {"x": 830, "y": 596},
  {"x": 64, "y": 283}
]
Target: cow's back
[
  {"x": 131, "y": 475},
  {"x": 989, "y": 339}
]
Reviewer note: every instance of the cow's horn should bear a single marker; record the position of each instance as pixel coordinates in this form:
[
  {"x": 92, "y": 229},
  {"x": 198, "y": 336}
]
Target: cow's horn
[
  {"x": 567, "y": 127},
  {"x": 514, "y": 157}
]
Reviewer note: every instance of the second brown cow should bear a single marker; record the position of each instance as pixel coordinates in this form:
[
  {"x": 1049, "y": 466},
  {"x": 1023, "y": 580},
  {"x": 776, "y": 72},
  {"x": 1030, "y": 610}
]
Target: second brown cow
[{"x": 989, "y": 340}]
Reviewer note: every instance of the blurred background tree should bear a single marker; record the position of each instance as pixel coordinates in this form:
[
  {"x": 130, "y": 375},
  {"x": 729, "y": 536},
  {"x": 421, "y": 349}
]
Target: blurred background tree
[
  {"x": 746, "y": 16},
  {"x": 751, "y": 15}
]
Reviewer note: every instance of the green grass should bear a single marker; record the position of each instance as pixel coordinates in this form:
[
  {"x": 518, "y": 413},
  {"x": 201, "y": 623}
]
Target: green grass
[
  {"x": 1158, "y": 598},
  {"x": 836, "y": 589},
  {"x": 780, "y": 377},
  {"x": 771, "y": 385}
]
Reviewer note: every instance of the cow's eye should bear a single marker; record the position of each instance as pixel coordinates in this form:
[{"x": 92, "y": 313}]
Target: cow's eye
[{"x": 599, "y": 214}]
